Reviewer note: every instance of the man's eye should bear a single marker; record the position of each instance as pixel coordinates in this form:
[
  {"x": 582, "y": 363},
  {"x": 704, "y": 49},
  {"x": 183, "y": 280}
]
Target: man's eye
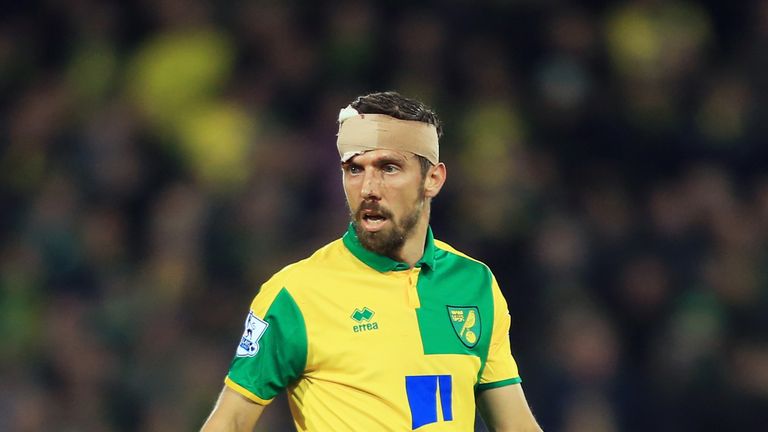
[
  {"x": 390, "y": 168},
  {"x": 354, "y": 169}
]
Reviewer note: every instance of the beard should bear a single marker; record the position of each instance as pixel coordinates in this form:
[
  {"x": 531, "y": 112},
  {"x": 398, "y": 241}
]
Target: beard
[{"x": 388, "y": 242}]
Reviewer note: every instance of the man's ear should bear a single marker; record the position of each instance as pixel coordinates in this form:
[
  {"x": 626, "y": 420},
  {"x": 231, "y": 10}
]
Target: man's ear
[{"x": 434, "y": 180}]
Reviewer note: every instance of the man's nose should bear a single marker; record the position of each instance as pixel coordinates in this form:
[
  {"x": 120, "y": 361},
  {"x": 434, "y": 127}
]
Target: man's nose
[{"x": 371, "y": 185}]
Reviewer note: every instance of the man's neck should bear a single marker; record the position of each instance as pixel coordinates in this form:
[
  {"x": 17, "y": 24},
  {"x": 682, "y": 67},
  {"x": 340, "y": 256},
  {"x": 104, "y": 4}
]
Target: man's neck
[{"x": 413, "y": 249}]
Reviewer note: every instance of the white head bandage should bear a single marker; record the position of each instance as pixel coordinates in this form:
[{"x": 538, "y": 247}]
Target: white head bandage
[{"x": 359, "y": 133}]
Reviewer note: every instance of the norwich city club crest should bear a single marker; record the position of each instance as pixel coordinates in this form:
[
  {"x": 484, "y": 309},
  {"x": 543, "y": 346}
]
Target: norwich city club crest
[{"x": 466, "y": 323}]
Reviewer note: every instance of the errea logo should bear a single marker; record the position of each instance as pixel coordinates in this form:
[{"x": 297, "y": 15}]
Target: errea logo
[
  {"x": 363, "y": 318},
  {"x": 362, "y": 315}
]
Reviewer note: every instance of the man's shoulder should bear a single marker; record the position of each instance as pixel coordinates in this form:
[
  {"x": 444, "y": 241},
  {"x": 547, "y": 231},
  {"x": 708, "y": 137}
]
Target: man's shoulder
[
  {"x": 451, "y": 252},
  {"x": 327, "y": 257},
  {"x": 455, "y": 262}
]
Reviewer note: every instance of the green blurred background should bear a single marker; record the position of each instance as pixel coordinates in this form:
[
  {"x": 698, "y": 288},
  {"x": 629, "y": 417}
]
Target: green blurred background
[{"x": 160, "y": 159}]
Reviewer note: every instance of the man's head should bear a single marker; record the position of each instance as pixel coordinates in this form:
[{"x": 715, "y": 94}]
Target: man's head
[{"x": 391, "y": 170}]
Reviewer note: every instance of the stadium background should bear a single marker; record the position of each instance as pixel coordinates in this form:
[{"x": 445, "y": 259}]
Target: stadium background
[{"x": 160, "y": 159}]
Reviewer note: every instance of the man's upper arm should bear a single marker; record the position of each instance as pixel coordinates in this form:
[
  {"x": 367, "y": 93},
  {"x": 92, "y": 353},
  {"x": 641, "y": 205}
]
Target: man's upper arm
[
  {"x": 500, "y": 368},
  {"x": 500, "y": 396},
  {"x": 272, "y": 353},
  {"x": 233, "y": 412},
  {"x": 504, "y": 409}
]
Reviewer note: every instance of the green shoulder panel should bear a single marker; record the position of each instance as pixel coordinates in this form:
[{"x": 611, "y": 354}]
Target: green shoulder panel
[
  {"x": 456, "y": 313},
  {"x": 273, "y": 350}
]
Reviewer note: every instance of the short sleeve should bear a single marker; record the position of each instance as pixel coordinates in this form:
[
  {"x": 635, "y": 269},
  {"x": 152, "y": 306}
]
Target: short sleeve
[
  {"x": 272, "y": 351},
  {"x": 500, "y": 367}
]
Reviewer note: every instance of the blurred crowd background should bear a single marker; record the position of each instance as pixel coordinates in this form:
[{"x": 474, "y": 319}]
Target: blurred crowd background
[{"x": 159, "y": 160}]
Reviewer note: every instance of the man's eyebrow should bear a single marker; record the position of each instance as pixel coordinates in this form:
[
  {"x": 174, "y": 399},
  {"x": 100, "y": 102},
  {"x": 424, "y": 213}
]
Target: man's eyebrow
[
  {"x": 379, "y": 162},
  {"x": 386, "y": 160}
]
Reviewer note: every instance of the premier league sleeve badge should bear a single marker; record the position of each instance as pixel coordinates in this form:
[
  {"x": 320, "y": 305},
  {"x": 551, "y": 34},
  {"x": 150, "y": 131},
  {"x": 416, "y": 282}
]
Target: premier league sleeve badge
[{"x": 254, "y": 330}]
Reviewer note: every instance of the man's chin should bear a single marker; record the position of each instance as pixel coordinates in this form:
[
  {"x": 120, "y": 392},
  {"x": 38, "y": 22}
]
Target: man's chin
[{"x": 382, "y": 241}]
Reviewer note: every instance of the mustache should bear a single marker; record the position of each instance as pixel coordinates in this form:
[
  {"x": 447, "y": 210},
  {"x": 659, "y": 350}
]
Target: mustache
[{"x": 372, "y": 206}]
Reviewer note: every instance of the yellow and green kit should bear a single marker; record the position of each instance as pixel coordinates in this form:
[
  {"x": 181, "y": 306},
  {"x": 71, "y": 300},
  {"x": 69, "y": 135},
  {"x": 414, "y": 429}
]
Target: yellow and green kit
[{"x": 362, "y": 342}]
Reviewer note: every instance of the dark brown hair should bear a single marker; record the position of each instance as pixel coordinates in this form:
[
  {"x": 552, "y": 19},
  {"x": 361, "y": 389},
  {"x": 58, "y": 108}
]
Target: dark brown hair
[{"x": 398, "y": 106}]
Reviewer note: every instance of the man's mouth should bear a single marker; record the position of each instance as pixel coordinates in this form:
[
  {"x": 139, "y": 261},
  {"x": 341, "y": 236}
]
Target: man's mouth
[{"x": 373, "y": 220}]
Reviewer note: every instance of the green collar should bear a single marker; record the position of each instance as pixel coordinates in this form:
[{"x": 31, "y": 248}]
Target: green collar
[{"x": 382, "y": 263}]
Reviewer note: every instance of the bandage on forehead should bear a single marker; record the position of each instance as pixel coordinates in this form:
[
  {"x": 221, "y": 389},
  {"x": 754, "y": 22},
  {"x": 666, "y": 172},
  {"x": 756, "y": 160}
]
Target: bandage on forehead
[{"x": 359, "y": 133}]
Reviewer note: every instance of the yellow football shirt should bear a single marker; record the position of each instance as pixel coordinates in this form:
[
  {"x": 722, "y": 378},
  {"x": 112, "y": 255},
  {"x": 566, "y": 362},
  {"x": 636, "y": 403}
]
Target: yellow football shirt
[{"x": 365, "y": 343}]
